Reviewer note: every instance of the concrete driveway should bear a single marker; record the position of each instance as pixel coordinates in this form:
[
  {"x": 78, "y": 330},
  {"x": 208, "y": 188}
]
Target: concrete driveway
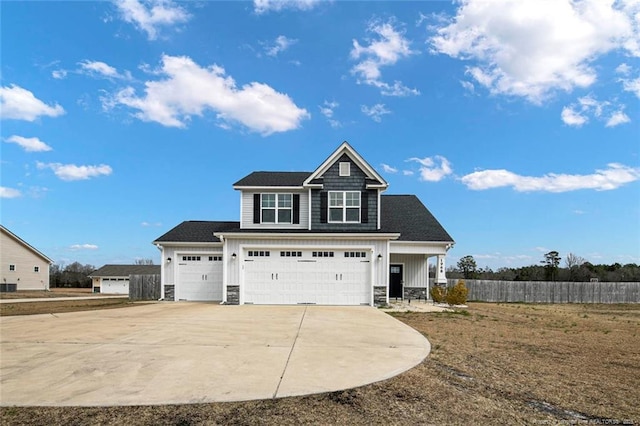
[{"x": 177, "y": 353}]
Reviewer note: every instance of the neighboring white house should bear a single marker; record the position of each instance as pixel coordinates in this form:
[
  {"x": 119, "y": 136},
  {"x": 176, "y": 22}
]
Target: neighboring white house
[
  {"x": 23, "y": 266},
  {"x": 323, "y": 237},
  {"x": 114, "y": 279}
]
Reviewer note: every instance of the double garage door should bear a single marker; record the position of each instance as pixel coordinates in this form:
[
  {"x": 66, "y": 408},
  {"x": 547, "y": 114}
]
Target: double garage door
[
  {"x": 329, "y": 277},
  {"x": 199, "y": 277}
]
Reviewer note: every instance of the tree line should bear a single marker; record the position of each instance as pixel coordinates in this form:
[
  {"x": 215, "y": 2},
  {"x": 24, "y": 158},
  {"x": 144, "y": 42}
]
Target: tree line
[{"x": 574, "y": 268}]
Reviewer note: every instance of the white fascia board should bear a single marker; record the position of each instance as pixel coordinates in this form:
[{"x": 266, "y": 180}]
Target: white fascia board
[
  {"x": 186, "y": 244},
  {"x": 306, "y": 236},
  {"x": 269, "y": 188},
  {"x": 418, "y": 247}
]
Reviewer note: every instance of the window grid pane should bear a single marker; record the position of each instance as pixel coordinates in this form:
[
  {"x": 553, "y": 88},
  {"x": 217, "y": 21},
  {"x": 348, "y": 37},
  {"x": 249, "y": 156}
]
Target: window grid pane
[
  {"x": 336, "y": 199},
  {"x": 268, "y": 200}
]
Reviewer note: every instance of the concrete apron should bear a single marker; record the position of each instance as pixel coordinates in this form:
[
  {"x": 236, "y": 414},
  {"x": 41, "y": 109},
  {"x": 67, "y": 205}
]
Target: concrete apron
[{"x": 181, "y": 353}]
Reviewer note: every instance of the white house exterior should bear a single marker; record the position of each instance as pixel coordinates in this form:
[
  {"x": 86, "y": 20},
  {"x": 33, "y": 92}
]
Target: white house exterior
[
  {"x": 114, "y": 279},
  {"x": 324, "y": 237},
  {"x": 23, "y": 266}
]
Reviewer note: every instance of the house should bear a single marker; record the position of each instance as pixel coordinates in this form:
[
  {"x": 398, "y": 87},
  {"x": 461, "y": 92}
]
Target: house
[
  {"x": 114, "y": 279},
  {"x": 23, "y": 266},
  {"x": 324, "y": 237}
]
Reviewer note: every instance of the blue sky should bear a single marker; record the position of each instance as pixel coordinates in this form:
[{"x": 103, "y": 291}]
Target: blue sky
[{"x": 515, "y": 122}]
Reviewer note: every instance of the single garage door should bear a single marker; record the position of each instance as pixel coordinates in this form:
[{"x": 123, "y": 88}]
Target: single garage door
[
  {"x": 199, "y": 277},
  {"x": 115, "y": 286},
  {"x": 288, "y": 277}
]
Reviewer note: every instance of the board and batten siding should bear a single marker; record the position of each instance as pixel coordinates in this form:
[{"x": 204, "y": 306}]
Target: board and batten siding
[
  {"x": 379, "y": 277},
  {"x": 415, "y": 269},
  {"x": 246, "y": 206},
  {"x": 13, "y": 252}
]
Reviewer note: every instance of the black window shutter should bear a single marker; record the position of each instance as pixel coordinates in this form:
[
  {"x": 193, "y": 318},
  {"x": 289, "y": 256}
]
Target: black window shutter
[
  {"x": 364, "y": 207},
  {"x": 296, "y": 208},
  {"x": 256, "y": 208},
  {"x": 324, "y": 202}
]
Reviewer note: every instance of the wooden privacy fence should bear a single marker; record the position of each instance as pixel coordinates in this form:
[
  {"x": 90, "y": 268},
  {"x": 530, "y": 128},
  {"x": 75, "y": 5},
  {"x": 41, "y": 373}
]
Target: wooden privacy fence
[
  {"x": 144, "y": 287},
  {"x": 551, "y": 292}
]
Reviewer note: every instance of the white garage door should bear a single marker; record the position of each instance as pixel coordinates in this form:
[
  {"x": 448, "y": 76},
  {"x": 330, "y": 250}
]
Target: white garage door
[
  {"x": 289, "y": 277},
  {"x": 115, "y": 286},
  {"x": 199, "y": 277}
]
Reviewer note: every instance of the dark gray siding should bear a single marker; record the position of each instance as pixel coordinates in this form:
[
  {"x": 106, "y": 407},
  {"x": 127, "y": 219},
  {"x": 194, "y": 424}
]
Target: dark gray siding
[{"x": 332, "y": 181}]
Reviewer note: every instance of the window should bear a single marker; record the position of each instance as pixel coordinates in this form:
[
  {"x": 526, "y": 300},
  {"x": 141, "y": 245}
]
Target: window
[
  {"x": 290, "y": 254},
  {"x": 191, "y": 258},
  {"x": 36, "y": 269},
  {"x": 276, "y": 208},
  {"x": 345, "y": 169},
  {"x": 344, "y": 206},
  {"x": 255, "y": 253},
  {"x": 322, "y": 254},
  {"x": 355, "y": 254},
  {"x": 215, "y": 258},
  {"x": 12, "y": 267}
]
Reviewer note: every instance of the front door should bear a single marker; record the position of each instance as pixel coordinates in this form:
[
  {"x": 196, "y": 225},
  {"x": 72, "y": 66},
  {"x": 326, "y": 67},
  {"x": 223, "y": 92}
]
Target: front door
[{"x": 395, "y": 281}]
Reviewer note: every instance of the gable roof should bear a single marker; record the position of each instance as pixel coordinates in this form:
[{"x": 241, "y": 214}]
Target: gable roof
[
  {"x": 197, "y": 231},
  {"x": 403, "y": 214},
  {"x": 25, "y": 244},
  {"x": 125, "y": 270},
  {"x": 345, "y": 148},
  {"x": 263, "y": 179}
]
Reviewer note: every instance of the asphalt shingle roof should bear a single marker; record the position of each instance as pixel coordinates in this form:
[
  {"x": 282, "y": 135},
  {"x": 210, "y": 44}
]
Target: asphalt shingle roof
[
  {"x": 125, "y": 270},
  {"x": 273, "y": 179},
  {"x": 404, "y": 214}
]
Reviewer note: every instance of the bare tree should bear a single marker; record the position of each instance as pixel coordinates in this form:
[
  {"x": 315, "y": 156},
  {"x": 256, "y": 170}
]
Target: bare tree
[
  {"x": 143, "y": 262},
  {"x": 573, "y": 260}
]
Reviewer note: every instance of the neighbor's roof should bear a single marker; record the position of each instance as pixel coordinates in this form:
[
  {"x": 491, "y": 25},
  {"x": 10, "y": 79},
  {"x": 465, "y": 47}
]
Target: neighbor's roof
[
  {"x": 404, "y": 214},
  {"x": 273, "y": 179},
  {"x": 26, "y": 244},
  {"x": 125, "y": 270}
]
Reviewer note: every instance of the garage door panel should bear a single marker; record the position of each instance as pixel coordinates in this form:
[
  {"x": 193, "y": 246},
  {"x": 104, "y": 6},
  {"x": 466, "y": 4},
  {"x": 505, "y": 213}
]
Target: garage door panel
[
  {"x": 199, "y": 278},
  {"x": 327, "y": 280}
]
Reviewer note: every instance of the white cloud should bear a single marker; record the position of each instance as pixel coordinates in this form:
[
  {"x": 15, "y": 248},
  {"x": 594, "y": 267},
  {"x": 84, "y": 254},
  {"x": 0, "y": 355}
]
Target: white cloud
[
  {"x": 76, "y": 247},
  {"x": 29, "y": 144},
  {"x": 263, "y": 6},
  {"x": 407, "y": 172},
  {"x": 20, "y": 104},
  {"x": 614, "y": 176},
  {"x": 147, "y": 224},
  {"x": 280, "y": 44},
  {"x": 389, "y": 47},
  {"x": 98, "y": 68},
  {"x": 433, "y": 169},
  {"x": 59, "y": 74},
  {"x": 9, "y": 192},
  {"x": 327, "y": 109},
  {"x": 632, "y": 86},
  {"x": 388, "y": 169},
  {"x": 375, "y": 112},
  {"x": 578, "y": 113},
  {"x": 70, "y": 172},
  {"x": 530, "y": 48},
  {"x": 623, "y": 69},
  {"x": 618, "y": 117},
  {"x": 189, "y": 90},
  {"x": 148, "y": 16}
]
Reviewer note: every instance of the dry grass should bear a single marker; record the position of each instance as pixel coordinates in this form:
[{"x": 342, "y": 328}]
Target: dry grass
[
  {"x": 54, "y": 292},
  {"x": 495, "y": 363},
  {"x": 60, "y": 306}
]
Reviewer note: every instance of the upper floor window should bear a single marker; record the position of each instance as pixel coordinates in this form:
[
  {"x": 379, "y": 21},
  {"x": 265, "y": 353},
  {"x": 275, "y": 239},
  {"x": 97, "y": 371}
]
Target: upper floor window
[
  {"x": 276, "y": 208},
  {"x": 36, "y": 269},
  {"x": 12, "y": 267},
  {"x": 344, "y": 206}
]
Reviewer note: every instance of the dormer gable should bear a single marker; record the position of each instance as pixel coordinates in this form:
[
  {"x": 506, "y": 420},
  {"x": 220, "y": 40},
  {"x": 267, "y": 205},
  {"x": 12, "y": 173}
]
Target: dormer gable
[{"x": 345, "y": 158}]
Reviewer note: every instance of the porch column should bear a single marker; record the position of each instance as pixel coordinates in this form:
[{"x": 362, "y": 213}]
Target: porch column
[{"x": 441, "y": 278}]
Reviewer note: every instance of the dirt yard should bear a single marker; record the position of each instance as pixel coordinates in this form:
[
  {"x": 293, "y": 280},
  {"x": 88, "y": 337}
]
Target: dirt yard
[
  {"x": 490, "y": 364},
  {"x": 54, "y": 292}
]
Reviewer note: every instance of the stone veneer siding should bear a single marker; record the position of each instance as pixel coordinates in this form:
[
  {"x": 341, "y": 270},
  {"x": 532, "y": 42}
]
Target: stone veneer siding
[
  {"x": 413, "y": 293},
  {"x": 233, "y": 295},
  {"x": 379, "y": 296},
  {"x": 169, "y": 292}
]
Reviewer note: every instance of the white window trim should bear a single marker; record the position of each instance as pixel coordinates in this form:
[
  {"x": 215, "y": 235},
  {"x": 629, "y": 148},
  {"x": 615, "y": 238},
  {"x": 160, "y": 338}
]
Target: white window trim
[
  {"x": 344, "y": 207},
  {"x": 276, "y": 208},
  {"x": 345, "y": 168}
]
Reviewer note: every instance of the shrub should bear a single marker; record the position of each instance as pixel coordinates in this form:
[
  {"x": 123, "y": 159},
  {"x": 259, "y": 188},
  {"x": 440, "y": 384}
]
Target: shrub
[
  {"x": 457, "y": 295},
  {"x": 438, "y": 293}
]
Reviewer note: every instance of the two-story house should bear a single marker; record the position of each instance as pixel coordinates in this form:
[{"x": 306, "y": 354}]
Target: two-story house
[{"x": 325, "y": 237}]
